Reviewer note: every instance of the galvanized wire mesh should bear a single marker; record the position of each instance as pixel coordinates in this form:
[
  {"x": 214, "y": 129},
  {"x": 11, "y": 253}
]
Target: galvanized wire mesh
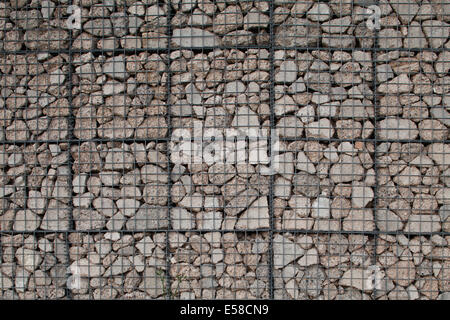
[{"x": 325, "y": 160}]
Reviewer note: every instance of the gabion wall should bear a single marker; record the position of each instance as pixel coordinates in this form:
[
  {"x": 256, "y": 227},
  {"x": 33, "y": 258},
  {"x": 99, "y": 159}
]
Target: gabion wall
[{"x": 342, "y": 188}]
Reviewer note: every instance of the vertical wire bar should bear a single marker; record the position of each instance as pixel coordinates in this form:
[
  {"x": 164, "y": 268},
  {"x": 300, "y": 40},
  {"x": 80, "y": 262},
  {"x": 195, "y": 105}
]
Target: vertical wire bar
[
  {"x": 169, "y": 135},
  {"x": 71, "y": 140},
  {"x": 375, "y": 164},
  {"x": 272, "y": 127}
]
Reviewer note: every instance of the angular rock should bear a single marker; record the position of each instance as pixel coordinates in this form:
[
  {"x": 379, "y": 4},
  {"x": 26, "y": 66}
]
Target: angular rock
[
  {"x": 255, "y": 217},
  {"x": 397, "y": 129},
  {"x": 194, "y": 38},
  {"x": 285, "y": 251},
  {"x": 149, "y": 217}
]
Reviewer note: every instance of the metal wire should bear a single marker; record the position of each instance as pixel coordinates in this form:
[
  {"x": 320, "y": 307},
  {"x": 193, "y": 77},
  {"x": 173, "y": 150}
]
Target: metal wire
[{"x": 343, "y": 192}]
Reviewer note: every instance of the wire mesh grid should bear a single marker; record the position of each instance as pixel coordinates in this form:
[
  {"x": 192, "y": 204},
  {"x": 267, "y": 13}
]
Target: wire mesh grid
[{"x": 199, "y": 149}]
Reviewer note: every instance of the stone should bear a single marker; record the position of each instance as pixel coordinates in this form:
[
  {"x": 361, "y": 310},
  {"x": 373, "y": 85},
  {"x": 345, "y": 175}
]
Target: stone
[
  {"x": 285, "y": 251},
  {"x": 337, "y": 26},
  {"x": 234, "y": 88},
  {"x": 423, "y": 223},
  {"x": 87, "y": 219},
  {"x": 57, "y": 77},
  {"x": 154, "y": 127},
  {"x": 440, "y": 153},
  {"x": 402, "y": 273},
  {"x": 304, "y": 164},
  {"x": 284, "y": 105},
  {"x": 57, "y": 217},
  {"x": 36, "y": 202},
  {"x": 255, "y": 217},
  {"x": 255, "y": 19},
  {"x": 105, "y": 206},
  {"x": 306, "y": 184},
  {"x": 320, "y": 129},
  {"x": 355, "y": 278},
  {"x": 148, "y": 217},
  {"x": 151, "y": 283},
  {"x": 228, "y": 20},
  {"x": 361, "y": 196},
  {"x": 113, "y": 87},
  {"x": 115, "y": 68},
  {"x": 430, "y": 129},
  {"x": 310, "y": 258},
  {"x": 359, "y": 220},
  {"x": 87, "y": 269},
  {"x": 155, "y": 40},
  {"x": 245, "y": 118},
  {"x": 181, "y": 219},
  {"x": 320, "y": 208},
  {"x": 348, "y": 169},
  {"x": 297, "y": 32},
  {"x": 437, "y": 32},
  {"x": 397, "y": 129},
  {"x": 119, "y": 22},
  {"x": 388, "y": 221},
  {"x": 298, "y": 86},
  {"x": 405, "y": 9},
  {"x": 193, "y": 96},
  {"x": 415, "y": 38},
  {"x": 210, "y": 220},
  {"x": 287, "y": 72},
  {"x": 128, "y": 207},
  {"x": 194, "y": 38},
  {"x": 145, "y": 246},
  {"x": 410, "y": 176},
  {"x": 384, "y": 72},
  {"x": 47, "y": 9},
  {"x": 312, "y": 281},
  {"x": 289, "y": 127},
  {"x": 390, "y": 39},
  {"x": 319, "y": 12},
  {"x": 118, "y": 159},
  {"x": 26, "y": 221},
  {"x": 99, "y": 27}
]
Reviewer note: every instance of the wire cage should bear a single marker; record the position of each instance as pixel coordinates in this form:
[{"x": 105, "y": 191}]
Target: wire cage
[{"x": 223, "y": 149}]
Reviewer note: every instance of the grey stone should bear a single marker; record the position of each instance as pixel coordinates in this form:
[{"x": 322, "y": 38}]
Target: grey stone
[
  {"x": 285, "y": 251},
  {"x": 423, "y": 223},
  {"x": 87, "y": 219},
  {"x": 306, "y": 184},
  {"x": 397, "y": 129},
  {"x": 319, "y": 12},
  {"x": 26, "y": 220},
  {"x": 181, "y": 219},
  {"x": 194, "y": 38},
  {"x": 115, "y": 68},
  {"x": 416, "y": 38},
  {"x": 297, "y": 32},
  {"x": 245, "y": 118},
  {"x": 57, "y": 217},
  {"x": 321, "y": 208},
  {"x": 437, "y": 32},
  {"x": 99, "y": 27},
  {"x": 255, "y": 19},
  {"x": 347, "y": 169},
  {"x": 228, "y": 20},
  {"x": 119, "y": 21},
  {"x": 148, "y": 217},
  {"x": 359, "y": 220},
  {"x": 405, "y": 9},
  {"x": 388, "y": 221},
  {"x": 256, "y": 216},
  {"x": 287, "y": 72},
  {"x": 390, "y": 39}
]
